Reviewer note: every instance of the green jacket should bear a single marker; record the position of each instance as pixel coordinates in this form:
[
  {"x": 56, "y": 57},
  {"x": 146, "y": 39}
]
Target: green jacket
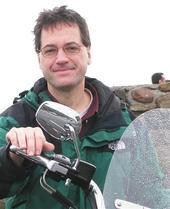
[{"x": 21, "y": 187}]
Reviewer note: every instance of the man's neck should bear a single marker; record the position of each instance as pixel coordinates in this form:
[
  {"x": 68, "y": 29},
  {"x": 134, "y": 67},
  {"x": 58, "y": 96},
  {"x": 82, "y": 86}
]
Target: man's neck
[{"x": 77, "y": 99}]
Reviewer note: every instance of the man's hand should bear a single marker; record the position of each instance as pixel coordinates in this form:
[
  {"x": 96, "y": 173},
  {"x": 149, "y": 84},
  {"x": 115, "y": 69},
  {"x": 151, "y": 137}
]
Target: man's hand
[{"x": 31, "y": 140}]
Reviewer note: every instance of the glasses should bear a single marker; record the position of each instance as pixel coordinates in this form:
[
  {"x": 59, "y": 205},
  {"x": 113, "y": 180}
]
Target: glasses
[{"x": 69, "y": 49}]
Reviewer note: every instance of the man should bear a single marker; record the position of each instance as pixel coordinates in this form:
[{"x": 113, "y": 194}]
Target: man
[
  {"x": 62, "y": 43},
  {"x": 158, "y": 78}
]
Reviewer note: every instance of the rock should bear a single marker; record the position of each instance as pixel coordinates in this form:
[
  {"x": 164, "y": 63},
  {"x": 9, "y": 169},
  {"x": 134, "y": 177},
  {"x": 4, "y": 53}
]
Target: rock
[
  {"x": 164, "y": 87},
  {"x": 142, "y": 94},
  {"x": 163, "y": 101}
]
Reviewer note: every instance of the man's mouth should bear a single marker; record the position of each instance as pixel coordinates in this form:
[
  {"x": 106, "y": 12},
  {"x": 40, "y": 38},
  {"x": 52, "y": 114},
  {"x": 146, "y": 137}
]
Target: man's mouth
[{"x": 62, "y": 69}]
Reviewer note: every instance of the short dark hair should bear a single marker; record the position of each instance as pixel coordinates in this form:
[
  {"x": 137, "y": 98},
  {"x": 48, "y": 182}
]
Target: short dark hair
[
  {"x": 156, "y": 77},
  {"x": 57, "y": 15}
]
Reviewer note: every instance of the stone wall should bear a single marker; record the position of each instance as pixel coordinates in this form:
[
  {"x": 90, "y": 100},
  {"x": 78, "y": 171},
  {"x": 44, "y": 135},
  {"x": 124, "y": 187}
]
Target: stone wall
[{"x": 141, "y": 98}]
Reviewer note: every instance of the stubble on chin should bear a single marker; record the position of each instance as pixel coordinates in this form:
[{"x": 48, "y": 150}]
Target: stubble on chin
[{"x": 64, "y": 86}]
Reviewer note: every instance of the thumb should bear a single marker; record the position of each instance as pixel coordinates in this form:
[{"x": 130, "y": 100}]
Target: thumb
[{"x": 48, "y": 146}]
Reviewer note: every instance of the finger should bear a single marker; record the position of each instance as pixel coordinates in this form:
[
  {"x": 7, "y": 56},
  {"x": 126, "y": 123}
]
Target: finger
[
  {"x": 17, "y": 137},
  {"x": 21, "y": 138},
  {"x": 48, "y": 146},
  {"x": 12, "y": 137},
  {"x": 40, "y": 140},
  {"x": 30, "y": 141}
]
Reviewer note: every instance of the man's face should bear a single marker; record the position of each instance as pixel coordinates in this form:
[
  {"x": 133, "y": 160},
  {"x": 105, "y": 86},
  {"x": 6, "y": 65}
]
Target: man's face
[
  {"x": 66, "y": 68},
  {"x": 162, "y": 80}
]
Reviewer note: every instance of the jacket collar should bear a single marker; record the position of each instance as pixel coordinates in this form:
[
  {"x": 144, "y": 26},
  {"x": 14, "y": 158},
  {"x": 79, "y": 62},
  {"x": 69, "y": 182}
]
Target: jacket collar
[{"x": 108, "y": 117}]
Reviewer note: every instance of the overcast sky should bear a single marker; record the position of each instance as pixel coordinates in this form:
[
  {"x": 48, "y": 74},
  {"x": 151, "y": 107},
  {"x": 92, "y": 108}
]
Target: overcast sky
[{"x": 130, "y": 41}]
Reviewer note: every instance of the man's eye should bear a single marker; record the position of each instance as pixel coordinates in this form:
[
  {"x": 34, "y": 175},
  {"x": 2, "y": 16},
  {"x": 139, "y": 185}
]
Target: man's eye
[
  {"x": 50, "y": 50},
  {"x": 72, "y": 49}
]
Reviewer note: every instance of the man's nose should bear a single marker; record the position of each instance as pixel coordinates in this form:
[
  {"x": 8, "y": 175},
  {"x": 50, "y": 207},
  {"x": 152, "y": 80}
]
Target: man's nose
[{"x": 61, "y": 56}]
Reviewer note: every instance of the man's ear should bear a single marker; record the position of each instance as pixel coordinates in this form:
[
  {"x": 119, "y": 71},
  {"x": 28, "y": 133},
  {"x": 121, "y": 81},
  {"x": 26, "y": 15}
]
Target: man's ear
[
  {"x": 38, "y": 56},
  {"x": 89, "y": 55}
]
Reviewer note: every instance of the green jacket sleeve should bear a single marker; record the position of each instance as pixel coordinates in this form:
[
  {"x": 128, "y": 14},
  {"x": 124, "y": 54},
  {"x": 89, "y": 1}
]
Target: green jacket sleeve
[{"x": 11, "y": 177}]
